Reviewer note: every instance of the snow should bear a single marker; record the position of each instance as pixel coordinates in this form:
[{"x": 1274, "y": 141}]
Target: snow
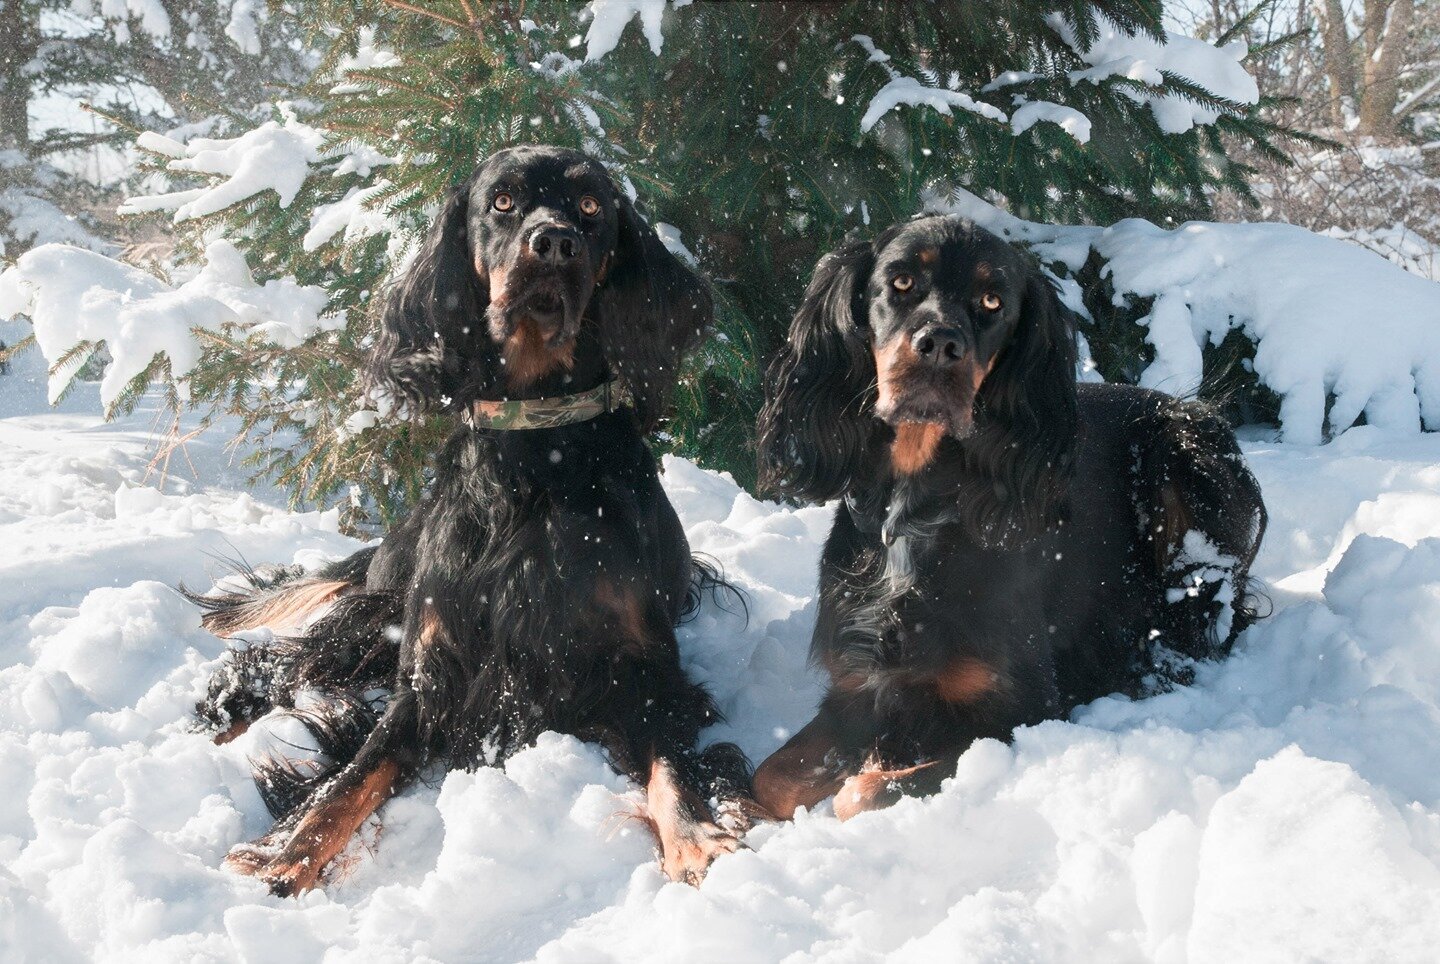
[
  {"x": 351, "y": 217},
  {"x": 1140, "y": 58},
  {"x": 1285, "y": 806},
  {"x": 74, "y": 296},
  {"x": 609, "y": 19},
  {"x": 368, "y": 56},
  {"x": 1114, "y": 53},
  {"x": 30, "y": 218},
  {"x": 244, "y": 25},
  {"x": 908, "y": 91},
  {"x": 151, "y": 15},
  {"x": 35, "y": 220},
  {"x": 276, "y": 156},
  {"x": 1303, "y": 299},
  {"x": 1328, "y": 319},
  {"x": 911, "y": 92},
  {"x": 1070, "y": 120}
]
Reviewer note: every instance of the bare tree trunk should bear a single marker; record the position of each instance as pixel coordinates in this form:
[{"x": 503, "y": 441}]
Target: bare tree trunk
[
  {"x": 1386, "y": 46},
  {"x": 1338, "y": 56},
  {"x": 17, "y": 50}
]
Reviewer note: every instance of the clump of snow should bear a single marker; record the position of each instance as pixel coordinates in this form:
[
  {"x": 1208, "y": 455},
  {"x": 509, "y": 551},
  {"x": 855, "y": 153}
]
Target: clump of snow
[
  {"x": 911, "y": 92},
  {"x": 1146, "y": 60},
  {"x": 902, "y": 90},
  {"x": 610, "y": 17},
  {"x": 669, "y": 236},
  {"x": 351, "y": 217},
  {"x": 35, "y": 220},
  {"x": 150, "y": 14},
  {"x": 368, "y": 56},
  {"x": 74, "y": 296},
  {"x": 1282, "y": 807},
  {"x": 275, "y": 157},
  {"x": 1328, "y": 319},
  {"x": 1068, "y": 119},
  {"x": 243, "y": 27}
]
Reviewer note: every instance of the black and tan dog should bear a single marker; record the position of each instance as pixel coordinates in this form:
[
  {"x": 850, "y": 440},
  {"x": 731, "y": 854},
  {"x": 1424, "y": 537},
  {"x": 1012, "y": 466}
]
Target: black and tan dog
[
  {"x": 1010, "y": 545},
  {"x": 538, "y": 584}
]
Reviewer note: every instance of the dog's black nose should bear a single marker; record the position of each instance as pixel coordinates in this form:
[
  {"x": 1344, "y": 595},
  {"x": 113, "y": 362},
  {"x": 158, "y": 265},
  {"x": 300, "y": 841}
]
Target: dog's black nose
[
  {"x": 938, "y": 345},
  {"x": 555, "y": 244}
]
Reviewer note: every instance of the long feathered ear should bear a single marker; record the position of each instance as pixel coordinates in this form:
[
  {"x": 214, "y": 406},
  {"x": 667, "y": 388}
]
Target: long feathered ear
[
  {"x": 433, "y": 317},
  {"x": 1027, "y": 406},
  {"x": 820, "y": 388},
  {"x": 653, "y": 309}
]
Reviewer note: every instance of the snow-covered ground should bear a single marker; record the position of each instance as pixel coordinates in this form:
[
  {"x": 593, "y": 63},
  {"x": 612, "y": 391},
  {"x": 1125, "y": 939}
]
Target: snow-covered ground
[{"x": 1285, "y": 807}]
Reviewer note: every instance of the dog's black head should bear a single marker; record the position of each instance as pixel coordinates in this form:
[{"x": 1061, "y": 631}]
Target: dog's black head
[
  {"x": 937, "y": 328},
  {"x": 538, "y": 278}
]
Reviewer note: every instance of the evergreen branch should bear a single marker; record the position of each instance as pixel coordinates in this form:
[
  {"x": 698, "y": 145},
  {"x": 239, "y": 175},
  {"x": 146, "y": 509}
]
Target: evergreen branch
[
  {"x": 402, "y": 5},
  {"x": 1244, "y": 22}
]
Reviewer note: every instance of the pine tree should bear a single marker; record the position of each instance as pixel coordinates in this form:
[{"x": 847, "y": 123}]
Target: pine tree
[
  {"x": 157, "y": 64},
  {"x": 759, "y": 130}
]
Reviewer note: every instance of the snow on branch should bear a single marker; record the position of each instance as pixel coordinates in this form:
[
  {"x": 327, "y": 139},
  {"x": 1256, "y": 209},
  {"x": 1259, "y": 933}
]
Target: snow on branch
[
  {"x": 276, "y": 156},
  {"x": 1068, "y": 119},
  {"x": 1328, "y": 318},
  {"x": 608, "y": 19},
  {"x": 911, "y": 92},
  {"x": 76, "y": 297},
  {"x": 150, "y": 14},
  {"x": 273, "y": 156},
  {"x": 1147, "y": 61}
]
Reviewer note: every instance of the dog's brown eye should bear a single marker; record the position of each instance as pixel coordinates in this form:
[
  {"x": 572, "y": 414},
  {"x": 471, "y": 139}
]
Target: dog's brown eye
[
  {"x": 902, "y": 282},
  {"x": 504, "y": 202},
  {"x": 589, "y": 206},
  {"x": 990, "y": 301}
]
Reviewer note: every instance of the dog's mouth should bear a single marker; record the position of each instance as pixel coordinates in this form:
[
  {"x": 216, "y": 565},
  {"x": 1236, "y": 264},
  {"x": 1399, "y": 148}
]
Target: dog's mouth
[
  {"x": 916, "y": 396},
  {"x": 955, "y": 418},
  {"x": 545, "y": 305},
  {"x": 550, "y": 305}
]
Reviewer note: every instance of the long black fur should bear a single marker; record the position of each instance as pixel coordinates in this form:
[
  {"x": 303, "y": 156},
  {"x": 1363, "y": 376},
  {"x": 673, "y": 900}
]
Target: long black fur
[
  {"x": 483, "y": 613},
  {"x": 1044, "y": 541}
]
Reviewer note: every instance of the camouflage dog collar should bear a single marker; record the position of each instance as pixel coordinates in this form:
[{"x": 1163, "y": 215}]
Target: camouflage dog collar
[{"x": 527, "y": 413}]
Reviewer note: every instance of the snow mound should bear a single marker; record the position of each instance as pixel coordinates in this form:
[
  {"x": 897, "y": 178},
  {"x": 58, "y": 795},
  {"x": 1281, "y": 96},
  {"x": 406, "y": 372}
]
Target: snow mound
[
  {"x": 74, "y": 296},
  {"x": 1327, "y": 318},
  {"x": 1284, "y": 806}
]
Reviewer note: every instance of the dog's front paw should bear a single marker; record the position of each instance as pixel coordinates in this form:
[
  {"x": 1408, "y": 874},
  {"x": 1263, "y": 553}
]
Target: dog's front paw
[
  {"x": 267, "y": 860},
  {"x": 872, "y": 789},
  {"x": 686, "y": 855}
]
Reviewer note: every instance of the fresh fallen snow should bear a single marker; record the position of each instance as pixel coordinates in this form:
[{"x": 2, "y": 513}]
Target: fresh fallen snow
[{"x": 1286, "y": 806}]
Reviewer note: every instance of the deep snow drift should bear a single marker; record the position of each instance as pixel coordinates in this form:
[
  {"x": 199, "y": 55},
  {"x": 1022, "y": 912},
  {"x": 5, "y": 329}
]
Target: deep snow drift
[{"x": 1286, "y": 806}]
